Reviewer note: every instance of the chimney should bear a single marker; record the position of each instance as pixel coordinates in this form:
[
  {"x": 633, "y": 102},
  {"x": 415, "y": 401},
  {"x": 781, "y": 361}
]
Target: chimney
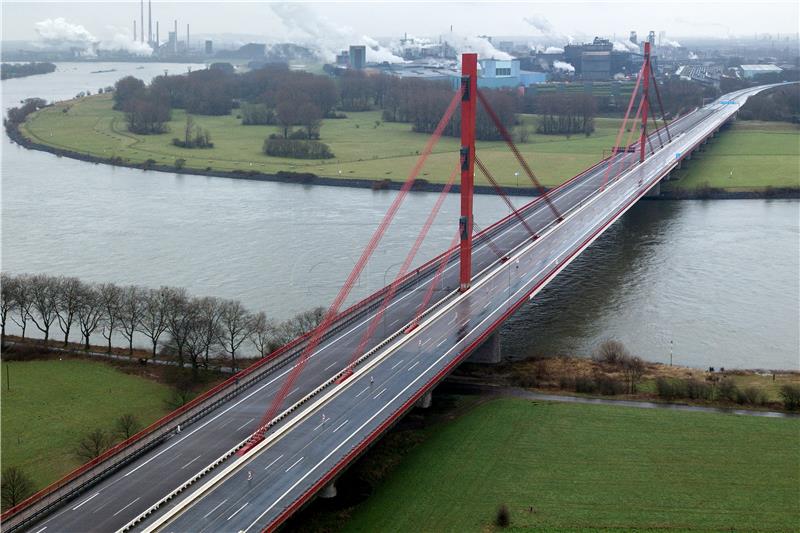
[
  {"x": 175, "y": 44},
  {"x": 149, "y": 22},
  {"x": 187, "y": 37},
  {"x": 158, "y": 39},
  {"x": 141, "y": 19},
  {"x": 134, "y": 30}
]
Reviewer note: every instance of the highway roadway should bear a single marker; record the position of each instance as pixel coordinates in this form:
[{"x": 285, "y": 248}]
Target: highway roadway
[{"x": 287, "y": 468}]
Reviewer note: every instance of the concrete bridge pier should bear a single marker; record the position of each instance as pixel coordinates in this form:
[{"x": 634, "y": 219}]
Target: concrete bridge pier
[
  {"x": 655, "y": 191},
  {"x": 328, "y": 492},
  {"x": 426, "y": 400},
  {"x": 488, "y": 353}
]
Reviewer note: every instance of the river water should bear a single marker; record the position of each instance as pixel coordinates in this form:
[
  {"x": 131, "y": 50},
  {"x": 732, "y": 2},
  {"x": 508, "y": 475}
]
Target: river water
[{"x": 714, "y": 282}]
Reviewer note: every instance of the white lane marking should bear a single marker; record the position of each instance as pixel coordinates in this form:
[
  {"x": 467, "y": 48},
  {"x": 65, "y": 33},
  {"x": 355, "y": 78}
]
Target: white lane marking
[
  {"x": 239, "y": 509},
  {"x": 319, "y": 425},
  {"x": 412, "y": 366},
  {"x": 331, "y": 365},
  {"x": 190, "y": 462},
  {"x": 444, "y": 340},
  {"x": 294, "y": 390},
  {"x": 220, "y": 504},
  {"x": 362, "y": 392},
  {"x": 452, "y": 319},
  {"x": 243, "y": 425},
  {"x": 134, "y": 501},
  {"x": 381, "y": 392},
  {"x": 395, "y": 365},
  {"x": 487, "y": 304},
  {"x": 425, "y": 342},
  {"x": 295, "y": 464},
  {"x": 273, "y": 462},
  {"x": 340, "y": 426},
  {"x": 40, "y": 530},
  {"x": 86, "y": 500},
  {"x": 385, "y": 406}
]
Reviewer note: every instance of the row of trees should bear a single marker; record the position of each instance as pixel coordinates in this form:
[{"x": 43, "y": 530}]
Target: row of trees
[
  {"x": 189, "y": 329},
  {"x": 146, "y": 109},
  {"x": 563, "y": 114}
]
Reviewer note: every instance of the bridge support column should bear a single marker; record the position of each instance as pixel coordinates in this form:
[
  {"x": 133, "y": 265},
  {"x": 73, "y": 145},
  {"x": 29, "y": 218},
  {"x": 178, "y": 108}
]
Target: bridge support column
[
  {"x": 426, "y": 401},
  {"x": 655, "y": 191},
  {"x": 488, "y": 353},
  {"x": 328, "y": 492}
]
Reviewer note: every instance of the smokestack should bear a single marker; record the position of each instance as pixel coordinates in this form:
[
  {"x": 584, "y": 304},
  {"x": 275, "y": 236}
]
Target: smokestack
[
  {"x": 134, "y": 30},
  {"x": 175, "y": 44},
  {"x": 187, "y": 37},
  {"x": 158, "y": 39},
  {"x": 141, "y": 19},
  {"x": 149, "y": 22}
]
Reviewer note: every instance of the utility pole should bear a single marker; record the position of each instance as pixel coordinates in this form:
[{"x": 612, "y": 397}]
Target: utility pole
[{"x": 469, "y": 98}]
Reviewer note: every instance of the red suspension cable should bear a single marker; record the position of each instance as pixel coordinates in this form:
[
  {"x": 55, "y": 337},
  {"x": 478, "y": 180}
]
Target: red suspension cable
[
  {"x": 435, "y": 281},
  {"x": 403, "y": 269},
  {"x": 333, "y": 310},
  {"x": 510, "y": 142},
  {"x": 621, "y": 131},
  {"x": 504, "y": 196}
]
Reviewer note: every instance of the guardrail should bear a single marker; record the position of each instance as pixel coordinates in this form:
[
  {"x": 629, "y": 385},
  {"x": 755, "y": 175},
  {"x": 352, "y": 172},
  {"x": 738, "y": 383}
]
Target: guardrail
[{"x": 126, "y": 451}]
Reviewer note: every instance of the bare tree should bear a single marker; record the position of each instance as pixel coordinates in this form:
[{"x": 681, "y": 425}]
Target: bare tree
[
  {"x": 110, "y": 301},
  {"x": 262, "y": 333},
  {"x": 23, "y": 302},
  {"x": 44, "y": 298},
  {"x": 7, "y": 301},
  {"x": 154, "y": 315},
  {"x": 235, "y": 327},
  {"x": 90, "y": 311},
  {"x": 93, "y": 444},
  {"x": 632, "y": 369},
  {"x": 127, "y": 425},
  {"x": 69, "y": 295},
  {"x": 209, "y": 311},
  {"x": 16, "y": 486},
  {"x": 308, "y": 320},
  {"x": 131, "y": 313},
  {"x": 180, "y": 313}
]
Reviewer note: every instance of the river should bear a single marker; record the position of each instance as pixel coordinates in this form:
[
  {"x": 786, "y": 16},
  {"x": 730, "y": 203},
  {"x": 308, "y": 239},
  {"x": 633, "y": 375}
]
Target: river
[{"x": 715, "y": 283}]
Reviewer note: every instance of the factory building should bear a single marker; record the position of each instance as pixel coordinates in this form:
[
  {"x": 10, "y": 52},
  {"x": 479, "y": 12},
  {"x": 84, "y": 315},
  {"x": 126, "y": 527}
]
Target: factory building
[
  {"x": 209, "y": 49},
  {"x": 358, "y": 57},
  {"x": 751, "y": 71},
  {"x": 497, "y": 74}
]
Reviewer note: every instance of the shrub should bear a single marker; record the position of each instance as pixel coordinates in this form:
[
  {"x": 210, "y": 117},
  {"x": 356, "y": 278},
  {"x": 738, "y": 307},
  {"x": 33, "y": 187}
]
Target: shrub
[
  {"x": 608, "y": 386},
  {"x": 671, "y": 389},
  {"x": 585, "y": 384},
  {"x": 790, "y": 394},
  {"x": 298, "y": 149},
  {"x": 180, "y": 163},
  {"x": 503, "y": 518},
  {"x": 612, "y": 352},
  {"x": 728, "y": 391},
  {"x": 752, "y": 396},
  {"x": 698, "y": 390}
]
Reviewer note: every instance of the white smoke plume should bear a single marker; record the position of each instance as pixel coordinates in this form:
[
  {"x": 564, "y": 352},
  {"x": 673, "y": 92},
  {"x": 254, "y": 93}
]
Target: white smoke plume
[
  {"x": 625, "y": 46},
  {"x": 670, "y": 44},
  {"x": 553, "y": 50},
  {"x": 563, "y": 66},
  {"x": 479, "y": 45},
  {"x": 59, "y": 33},
  {"x": 546, "y": 28},
  {"x": 326, "y": 39}
]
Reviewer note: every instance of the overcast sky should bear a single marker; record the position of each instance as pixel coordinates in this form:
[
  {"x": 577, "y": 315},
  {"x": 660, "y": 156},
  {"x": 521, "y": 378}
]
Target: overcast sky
[{"x": 390, "y": 19}]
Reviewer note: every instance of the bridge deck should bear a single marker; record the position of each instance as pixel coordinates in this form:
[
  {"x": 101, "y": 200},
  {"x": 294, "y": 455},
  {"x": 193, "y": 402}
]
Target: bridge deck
[{"x": 290, "y": 469}]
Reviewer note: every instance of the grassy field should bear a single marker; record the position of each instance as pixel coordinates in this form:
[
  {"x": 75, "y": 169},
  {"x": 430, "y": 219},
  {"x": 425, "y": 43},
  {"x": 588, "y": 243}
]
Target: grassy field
[
  {"x": 749, "y": 156},
  {"x": 365, "y": 147},
  {"x": 52, "y": 404},
  {"x": 585, "y": 466}
]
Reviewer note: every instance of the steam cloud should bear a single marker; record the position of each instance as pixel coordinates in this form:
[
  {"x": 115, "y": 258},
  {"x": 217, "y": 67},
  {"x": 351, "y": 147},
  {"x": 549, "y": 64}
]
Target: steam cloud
[
  {"x": 563, "y": 66},
  {"x": 325, "y": 38},
  {"x": 59, "y": 33},
  {"x": 625, "y": 46},
  {"x": 546, "y": 28}
]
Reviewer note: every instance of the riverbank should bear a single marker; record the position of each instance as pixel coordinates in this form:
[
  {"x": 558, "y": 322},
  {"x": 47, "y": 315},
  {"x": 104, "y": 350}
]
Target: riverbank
[
  {"x": 369, "y": 153},
  {"x": 759, "y": 389}
]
